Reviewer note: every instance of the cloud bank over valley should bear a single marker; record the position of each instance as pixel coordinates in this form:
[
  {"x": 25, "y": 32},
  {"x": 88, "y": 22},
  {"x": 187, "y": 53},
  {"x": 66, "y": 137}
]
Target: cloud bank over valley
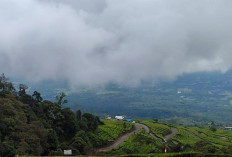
[{"x": 125, "y": 41}]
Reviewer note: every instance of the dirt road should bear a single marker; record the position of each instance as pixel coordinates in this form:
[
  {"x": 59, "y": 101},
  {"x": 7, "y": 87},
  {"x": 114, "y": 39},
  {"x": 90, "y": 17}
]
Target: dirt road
[
  {"x": 174, "y": 131},
  {"x": 138, "y": 128},
  {"x": 147, "y": 129}
]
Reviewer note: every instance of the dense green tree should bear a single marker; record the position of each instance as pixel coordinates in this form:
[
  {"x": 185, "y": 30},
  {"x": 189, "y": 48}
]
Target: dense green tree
[
  {"x": 52, "y": 140},
  {"x": 91, "y": 120},
  {"x": 69, "y": 124},
  {"x": 81, "y": 141},
  {"x": 31, "y": 126},
  {"x": 23, "y": 148},
  {"x": 7, "y": 149},
  {"x": 82, "y": 124}
]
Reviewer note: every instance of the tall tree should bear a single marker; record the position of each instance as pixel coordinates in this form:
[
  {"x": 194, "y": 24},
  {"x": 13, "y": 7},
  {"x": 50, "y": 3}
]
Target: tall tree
[
  {"x": 22, "y": 89},
  {"x": 60, "y": 99},
  {"x": 3, "y": 78},
  {"x": 78, "y": 114},
  {"x": 37, "y": 96}
]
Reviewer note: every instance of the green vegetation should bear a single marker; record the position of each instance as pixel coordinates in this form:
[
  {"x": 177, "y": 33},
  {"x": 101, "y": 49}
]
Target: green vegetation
[
  {"x": 185, "y": 137},
  {"x": 159, "y": 129},
  {"x": 111, "y": 130},
  {"x": 31, "y": 126},
  {"x": 208, "y": 135},
  {"x": 204, "y": 140},
  {"x": 140, "y": 143}
]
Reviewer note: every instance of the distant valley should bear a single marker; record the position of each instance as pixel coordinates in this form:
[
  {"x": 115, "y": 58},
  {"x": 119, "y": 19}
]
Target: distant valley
[{"x": 190, "y": 99}]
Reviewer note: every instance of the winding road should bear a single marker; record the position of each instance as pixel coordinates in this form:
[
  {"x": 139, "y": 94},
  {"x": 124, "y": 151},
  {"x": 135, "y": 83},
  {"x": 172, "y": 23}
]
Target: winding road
[
  {"x": 174, "y": 131},
  {"x": 138, "y": 128}
]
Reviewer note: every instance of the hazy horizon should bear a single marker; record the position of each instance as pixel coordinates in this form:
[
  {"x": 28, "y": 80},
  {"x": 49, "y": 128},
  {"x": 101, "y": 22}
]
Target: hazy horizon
[{"x": 93, "y": 43}]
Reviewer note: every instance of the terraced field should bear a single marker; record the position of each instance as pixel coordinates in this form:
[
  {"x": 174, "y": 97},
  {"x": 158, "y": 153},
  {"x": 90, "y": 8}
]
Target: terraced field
[
  {"x": 140, "y": 143},
  {"x": 219, "y": 137},
  {"x": 159, "y": 129},
  {"x": 185, "y": 137},
  {"x": 202, "y": 140},
  {"x": 112, "y": 129}
]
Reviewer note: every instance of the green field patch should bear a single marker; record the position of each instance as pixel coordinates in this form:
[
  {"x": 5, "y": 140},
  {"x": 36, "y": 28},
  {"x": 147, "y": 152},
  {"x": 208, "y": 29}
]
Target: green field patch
[
  {"x": 112, "y": 129},
  {"x": 158, "y": 129},
  {"x": 140, "y": 143},
  {"x": 184, "y": 137},
  {"x": 213, "y": 137}
]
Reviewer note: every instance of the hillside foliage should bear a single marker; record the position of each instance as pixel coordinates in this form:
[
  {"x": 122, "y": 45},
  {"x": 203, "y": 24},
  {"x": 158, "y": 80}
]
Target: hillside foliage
[{"x": 30, "y": 125}]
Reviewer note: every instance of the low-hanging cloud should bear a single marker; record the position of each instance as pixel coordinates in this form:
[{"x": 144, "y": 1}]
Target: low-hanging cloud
[{"x": 95, "y": 42}]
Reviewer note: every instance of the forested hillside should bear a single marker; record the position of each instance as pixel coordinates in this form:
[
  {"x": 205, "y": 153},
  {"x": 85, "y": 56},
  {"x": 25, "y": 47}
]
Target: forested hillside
[{"x": 30, "y": 125}]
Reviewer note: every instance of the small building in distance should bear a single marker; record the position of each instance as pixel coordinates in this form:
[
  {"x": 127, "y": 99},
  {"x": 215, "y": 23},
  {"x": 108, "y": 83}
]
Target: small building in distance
[
  {"x": 119, "y": 117},
  {"x": 229, "y": 128}
]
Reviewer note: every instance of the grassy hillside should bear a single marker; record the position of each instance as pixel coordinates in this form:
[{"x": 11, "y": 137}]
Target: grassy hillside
[
  {"x": 188, "y": 142},
  {"x": 140, "y": 143},
  {"x": 185, "y": 137},
  {"x": 188, "y": 139},
  {"x": 159, "y": 129}
]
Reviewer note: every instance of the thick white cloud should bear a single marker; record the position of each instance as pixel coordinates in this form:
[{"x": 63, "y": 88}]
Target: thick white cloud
[{"x": 94, "y": 42}]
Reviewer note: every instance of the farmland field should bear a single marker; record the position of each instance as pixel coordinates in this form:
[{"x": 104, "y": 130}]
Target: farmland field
[
  {"x": 140, "y": 143},
  {"x": 112, "y": 129},
  {"x": 160, "y": 129}
]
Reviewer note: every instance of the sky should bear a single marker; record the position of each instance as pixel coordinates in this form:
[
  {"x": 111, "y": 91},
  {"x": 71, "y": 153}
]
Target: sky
[{"x": 94, "y": 42}]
